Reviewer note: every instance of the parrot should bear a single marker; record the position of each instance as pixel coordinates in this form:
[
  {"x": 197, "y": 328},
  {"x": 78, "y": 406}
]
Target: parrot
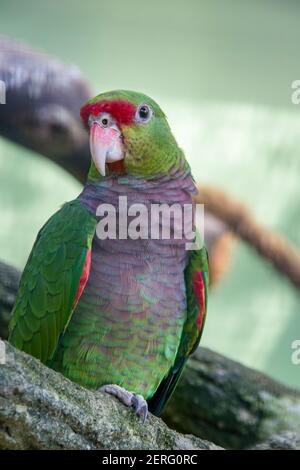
[{"x": 117, "y": 315}]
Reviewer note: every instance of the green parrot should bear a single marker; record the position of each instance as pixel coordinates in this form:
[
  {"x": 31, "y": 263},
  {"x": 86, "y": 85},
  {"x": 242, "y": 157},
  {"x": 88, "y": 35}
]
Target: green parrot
[{"x": 114, "y": 313}]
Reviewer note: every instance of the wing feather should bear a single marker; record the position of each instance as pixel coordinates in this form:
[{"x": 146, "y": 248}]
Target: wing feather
[{"x": 51, "y": 279}]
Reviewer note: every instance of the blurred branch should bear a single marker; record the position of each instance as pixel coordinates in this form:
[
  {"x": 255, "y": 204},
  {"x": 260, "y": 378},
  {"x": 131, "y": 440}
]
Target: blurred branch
[
  {"x": 43, "y": 98},
  {"x": 284, "y": 257},
  {"x": 232, "y": 405}
]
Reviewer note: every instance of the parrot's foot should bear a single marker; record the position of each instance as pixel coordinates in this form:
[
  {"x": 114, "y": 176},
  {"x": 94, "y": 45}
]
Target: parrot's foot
[{"x": 138, "y": 402}]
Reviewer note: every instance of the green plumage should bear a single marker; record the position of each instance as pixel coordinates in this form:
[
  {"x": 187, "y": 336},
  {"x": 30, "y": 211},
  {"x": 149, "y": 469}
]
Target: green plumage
[{"x": 50, "y": 281}]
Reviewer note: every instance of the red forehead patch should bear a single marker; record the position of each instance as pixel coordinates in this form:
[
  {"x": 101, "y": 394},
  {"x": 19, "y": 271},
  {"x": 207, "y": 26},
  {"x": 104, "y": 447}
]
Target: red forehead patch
[{"x": 122, "y": 111}]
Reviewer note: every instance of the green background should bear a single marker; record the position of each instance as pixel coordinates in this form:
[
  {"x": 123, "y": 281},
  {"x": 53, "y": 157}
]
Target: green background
[{"x": 222, "y": 71}]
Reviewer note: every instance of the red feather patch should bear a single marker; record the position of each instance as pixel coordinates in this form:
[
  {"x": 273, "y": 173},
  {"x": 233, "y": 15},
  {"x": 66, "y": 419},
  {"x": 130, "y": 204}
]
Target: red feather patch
[
  {"x": 82, "y": 282},
  {"x": 199, "y": 289},
  {"x": 121, "y": 110},
  {"x": 84, "y": 277}
]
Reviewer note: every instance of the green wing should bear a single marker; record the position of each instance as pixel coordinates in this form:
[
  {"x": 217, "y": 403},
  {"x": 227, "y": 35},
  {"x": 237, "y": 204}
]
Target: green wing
[
  {"x": 196, "y": 280},
  {"x": 52, "y": 276}
]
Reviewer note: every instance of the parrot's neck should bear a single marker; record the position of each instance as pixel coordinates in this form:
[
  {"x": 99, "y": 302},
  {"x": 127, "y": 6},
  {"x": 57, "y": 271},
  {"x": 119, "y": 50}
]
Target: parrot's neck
[
  {"x": 176, "y": 187},
  {"x": 128, "y": 192}
]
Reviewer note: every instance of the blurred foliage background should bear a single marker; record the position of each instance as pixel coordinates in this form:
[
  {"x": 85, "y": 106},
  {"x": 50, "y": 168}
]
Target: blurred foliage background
[{"x": 222, "y": 71}]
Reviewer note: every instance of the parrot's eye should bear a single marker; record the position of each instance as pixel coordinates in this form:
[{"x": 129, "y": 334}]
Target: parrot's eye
[
  {"x": 143, "y": 114},
  {"x": 104, "y": 122}
]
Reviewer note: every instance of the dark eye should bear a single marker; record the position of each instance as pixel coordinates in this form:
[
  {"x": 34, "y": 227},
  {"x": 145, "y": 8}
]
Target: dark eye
[{"x": 143, "y": 114}]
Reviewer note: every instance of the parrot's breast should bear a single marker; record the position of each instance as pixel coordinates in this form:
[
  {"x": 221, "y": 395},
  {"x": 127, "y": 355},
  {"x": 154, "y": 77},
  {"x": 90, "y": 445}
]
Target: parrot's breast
[{"x": 127, "y": 325}]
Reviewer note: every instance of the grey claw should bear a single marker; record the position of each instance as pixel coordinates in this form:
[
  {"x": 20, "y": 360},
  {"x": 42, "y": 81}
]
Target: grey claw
[
  {"x": 128, "y": 399},
  {"x": 140, "y": 407}
]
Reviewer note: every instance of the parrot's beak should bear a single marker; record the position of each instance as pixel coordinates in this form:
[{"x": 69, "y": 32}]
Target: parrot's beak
[{"x": 106, "y": 145}]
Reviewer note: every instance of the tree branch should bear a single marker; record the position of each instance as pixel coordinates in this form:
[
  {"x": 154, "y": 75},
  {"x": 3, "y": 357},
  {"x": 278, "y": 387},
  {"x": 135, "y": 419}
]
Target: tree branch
[
  {"x": 232, "y": 405},
  {"x": 284, "y": 257},
  {"x": 43, "y": 98},
  {"x": 41, "y": 409}
]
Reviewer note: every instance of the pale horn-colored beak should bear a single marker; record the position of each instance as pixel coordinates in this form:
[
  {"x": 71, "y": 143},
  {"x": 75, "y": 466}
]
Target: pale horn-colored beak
[{"x": 106, "y": 145}]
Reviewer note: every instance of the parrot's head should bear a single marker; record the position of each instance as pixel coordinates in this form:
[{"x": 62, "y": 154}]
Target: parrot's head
[{"x": 129, "y": 134}]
